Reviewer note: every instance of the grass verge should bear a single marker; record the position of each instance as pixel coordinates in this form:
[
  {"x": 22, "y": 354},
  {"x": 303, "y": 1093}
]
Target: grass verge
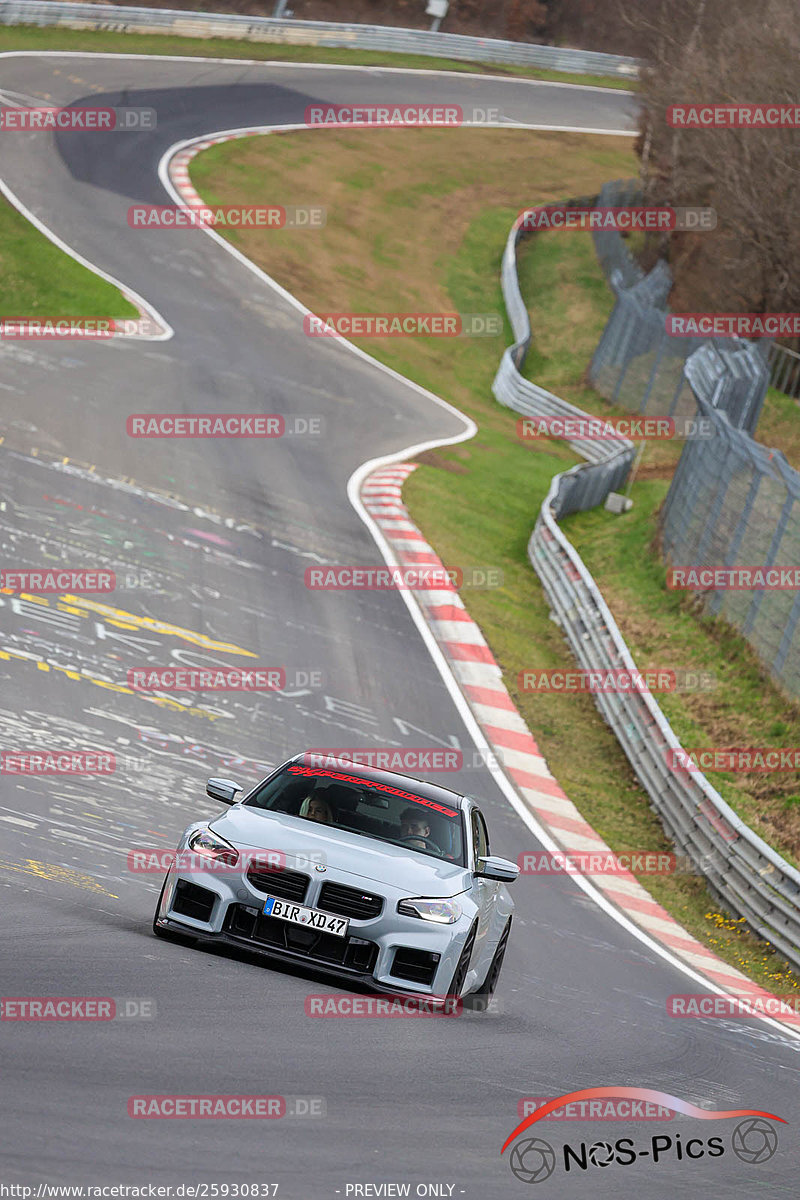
[
  {"x": 414, "y": 230},
  {"x": 41, "y": 280},
  {"x": 28, "y": 37},
  {"x": 779, "y": 425}
]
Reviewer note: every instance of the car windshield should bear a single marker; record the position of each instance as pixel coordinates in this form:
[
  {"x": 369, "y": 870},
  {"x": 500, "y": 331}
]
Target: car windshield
[{"x": 363, "y": 806}]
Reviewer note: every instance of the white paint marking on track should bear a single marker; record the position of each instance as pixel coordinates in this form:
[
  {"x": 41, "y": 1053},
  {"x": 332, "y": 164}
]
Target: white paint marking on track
[{"x": 361, "y": 473}]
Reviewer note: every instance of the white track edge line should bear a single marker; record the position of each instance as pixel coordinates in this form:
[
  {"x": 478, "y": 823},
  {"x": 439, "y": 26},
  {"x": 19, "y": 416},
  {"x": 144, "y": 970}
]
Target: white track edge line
[
  {"x": 441, "y": 663},
  {"x": 126, "y": 292},
  {"x": 352, "y": 491}
]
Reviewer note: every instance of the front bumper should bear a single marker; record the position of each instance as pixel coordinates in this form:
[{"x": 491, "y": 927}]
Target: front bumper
[{"x": 383, "y": 952}]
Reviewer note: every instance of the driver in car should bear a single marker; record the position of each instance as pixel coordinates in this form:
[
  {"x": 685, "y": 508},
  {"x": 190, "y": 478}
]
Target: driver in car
[
  {"x": 415, "y": 830},
  {"x": 314, "y": 808}
]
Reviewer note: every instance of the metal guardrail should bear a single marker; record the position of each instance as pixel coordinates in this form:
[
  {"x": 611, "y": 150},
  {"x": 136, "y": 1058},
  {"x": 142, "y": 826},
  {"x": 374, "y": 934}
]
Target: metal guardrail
[
  {"x": 608, "y": 462},
  {"x": 316, "y": 33},
  {"x": 747, "y": 876}
]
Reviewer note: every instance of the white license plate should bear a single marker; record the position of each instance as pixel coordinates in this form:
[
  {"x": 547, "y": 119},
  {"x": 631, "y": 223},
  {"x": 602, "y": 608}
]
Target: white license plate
[{"x": 310, "y": 917}]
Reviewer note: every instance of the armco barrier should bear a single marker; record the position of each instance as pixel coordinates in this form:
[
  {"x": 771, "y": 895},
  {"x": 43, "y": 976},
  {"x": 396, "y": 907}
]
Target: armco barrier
[
  {"x": 745, "y": 874},
  {"x": 316, "y": 33},
  {"x": 609, "y": 461}
]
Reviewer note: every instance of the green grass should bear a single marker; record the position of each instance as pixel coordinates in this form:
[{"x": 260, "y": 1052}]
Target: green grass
[
  {"x": 477, "y": 502},
  {"x": 26, "y": 37},
  {"x": 39, "y": 279},
  {"x": 779, "y": 425}
]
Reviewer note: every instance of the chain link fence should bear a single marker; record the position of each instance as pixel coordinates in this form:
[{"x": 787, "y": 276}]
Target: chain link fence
[
  {"x": 736, "y": 503},
  {"x": 784, "y": 370},
  {"x": 316, "y": 33},
  {"x": 637, "y": 364},
  {"x": 732, "y": 502},
  {"x": 746, "y": 876}
]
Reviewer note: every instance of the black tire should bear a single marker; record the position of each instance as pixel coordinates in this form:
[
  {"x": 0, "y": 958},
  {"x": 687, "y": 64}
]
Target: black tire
[
  {"x": 169, "y": 935},
  {"x": 460, "y": 973},
  {"x": 478, "y": 1000}
]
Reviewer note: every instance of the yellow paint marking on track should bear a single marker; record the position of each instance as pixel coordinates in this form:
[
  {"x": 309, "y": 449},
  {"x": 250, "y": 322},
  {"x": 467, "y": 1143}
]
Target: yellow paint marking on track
[
  {"x": 188, "y": 635},
  {"x": 77, "y": 676},
  {"x": 56, "y": 874}
]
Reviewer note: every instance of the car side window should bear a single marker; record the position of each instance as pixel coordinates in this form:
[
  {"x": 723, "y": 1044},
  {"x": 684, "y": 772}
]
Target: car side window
[{"x": 480, "y": 838}]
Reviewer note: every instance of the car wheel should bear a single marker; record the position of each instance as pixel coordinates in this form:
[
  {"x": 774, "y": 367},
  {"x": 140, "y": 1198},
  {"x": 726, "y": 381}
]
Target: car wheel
[
  {"x": 169, "y": 935},
  {"x": 478, "y": 1000},
  {"x": 460, "y": 974}
]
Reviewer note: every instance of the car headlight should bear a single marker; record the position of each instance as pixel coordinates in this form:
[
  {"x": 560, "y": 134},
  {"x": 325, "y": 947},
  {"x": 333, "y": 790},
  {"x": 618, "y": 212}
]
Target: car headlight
[
  {"x": 210, "y": 845},
  {"x": 443, "y": 912}
]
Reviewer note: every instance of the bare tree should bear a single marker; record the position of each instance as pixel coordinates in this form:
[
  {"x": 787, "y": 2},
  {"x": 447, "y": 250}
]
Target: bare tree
[{"x": 721, "y": 51}]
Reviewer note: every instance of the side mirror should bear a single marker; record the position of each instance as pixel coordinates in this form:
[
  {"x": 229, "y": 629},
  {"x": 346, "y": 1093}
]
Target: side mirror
[
  {"x": 223, "y": 789},
  {"x": 491, "y": 867}
]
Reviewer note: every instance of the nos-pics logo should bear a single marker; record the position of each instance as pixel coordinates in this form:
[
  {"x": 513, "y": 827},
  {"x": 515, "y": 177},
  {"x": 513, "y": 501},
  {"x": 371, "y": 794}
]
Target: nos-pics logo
[{"x": 754, "y": 1140}]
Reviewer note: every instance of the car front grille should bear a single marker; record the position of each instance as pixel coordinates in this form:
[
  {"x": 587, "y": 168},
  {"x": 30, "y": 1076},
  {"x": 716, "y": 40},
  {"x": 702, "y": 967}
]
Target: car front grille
[
  {"x": 351, "y": 954},
  {"x": 349, "y": 902},
  {"x": 288, "y": 885}
]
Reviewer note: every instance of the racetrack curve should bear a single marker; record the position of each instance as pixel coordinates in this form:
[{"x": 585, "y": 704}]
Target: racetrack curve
[{"x": 224, "y": 531}]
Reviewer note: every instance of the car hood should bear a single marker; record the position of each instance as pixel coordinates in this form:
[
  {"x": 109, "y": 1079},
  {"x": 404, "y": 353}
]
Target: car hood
[{"x": 406, "y": 871}]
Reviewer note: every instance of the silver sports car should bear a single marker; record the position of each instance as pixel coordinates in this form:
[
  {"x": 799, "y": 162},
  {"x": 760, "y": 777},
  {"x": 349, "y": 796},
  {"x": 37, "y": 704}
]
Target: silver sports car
[{"x": 371, "y": 876}]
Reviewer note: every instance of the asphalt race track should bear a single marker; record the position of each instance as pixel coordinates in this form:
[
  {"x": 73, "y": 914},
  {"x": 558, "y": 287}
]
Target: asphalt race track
[{"x": 210, "y": 540}]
